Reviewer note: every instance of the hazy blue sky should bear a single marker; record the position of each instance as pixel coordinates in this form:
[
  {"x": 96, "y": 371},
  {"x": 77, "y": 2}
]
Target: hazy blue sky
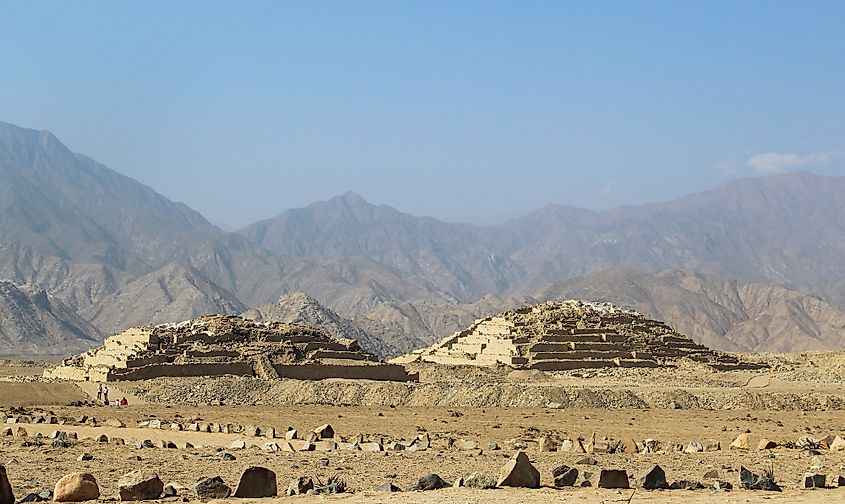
[{"x": 456, "y": 109}]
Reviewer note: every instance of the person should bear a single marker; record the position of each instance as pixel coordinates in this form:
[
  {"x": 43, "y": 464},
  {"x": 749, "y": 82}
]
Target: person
[
  {"x": 99, "y": 392},
  {"x": 124, "y": 402},
  {"x": 106, "y": 394}
]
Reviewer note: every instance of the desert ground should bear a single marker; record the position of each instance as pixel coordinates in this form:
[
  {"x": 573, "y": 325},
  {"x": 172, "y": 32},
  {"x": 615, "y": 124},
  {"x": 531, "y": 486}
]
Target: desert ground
[{"x": 464, "y": 439}]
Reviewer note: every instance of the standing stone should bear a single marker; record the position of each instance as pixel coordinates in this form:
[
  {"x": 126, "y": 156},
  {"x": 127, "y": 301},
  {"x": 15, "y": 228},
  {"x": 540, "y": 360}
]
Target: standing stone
[
  {"x": 740, "y": 443},
  {"x": 76, "y": 487},
  {"x": 6, "y": 494},
  {"x": 813, "y": 481},
  {"x": 654, "y": 479},
  {"x": 519, "y": 472},
  {"x": 431, "y": 482},
  {"x": 138, "y": 485},
  {"x": 300, "y": 486},
  {"x": 545, "y": 444},
  {"x": 211, "y": 488},
  {"x": 256, "y": 482},
  {"x": 21, "y": 432},
  {"x": 252, "y": 430},
  {"x": 712, "y": 445},
  {"x": 613, "y": 478},
  {"x": 324, "y": 432},
  {"x": 270, "y": 433},
  {"x": 290, "y": 434},
  {"x": 564, "y": 476}
]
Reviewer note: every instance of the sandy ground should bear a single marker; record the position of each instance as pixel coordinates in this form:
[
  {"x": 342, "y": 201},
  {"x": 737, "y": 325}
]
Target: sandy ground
[{"x": 33, "y": 468}]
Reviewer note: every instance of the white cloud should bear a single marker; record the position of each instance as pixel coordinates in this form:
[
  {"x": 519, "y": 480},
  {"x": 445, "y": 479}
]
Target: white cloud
[
  {"x": 606, "y": 189},
  {"x": 774, "y": 162}
]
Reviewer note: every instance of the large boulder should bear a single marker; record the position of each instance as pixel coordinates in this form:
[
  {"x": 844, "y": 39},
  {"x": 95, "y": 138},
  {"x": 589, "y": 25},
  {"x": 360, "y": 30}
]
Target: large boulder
[
  {"x": 6, "y": 494},
  {"x": 654, "y": 479},
  {"x": 519, "y": 472},
  {"x": 76, "y": 487},
  {"x": 138, "y": 485},
  {"x": 211, "y": 488},
  {"x": 613, "y": 478},
  {"x": 257, "y": 482}
]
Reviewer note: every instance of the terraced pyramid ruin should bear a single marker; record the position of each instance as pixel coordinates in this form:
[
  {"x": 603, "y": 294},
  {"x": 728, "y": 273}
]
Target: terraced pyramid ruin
[
  {"x": 226, "y": 345},
  {"x": 572, "y": 334}
]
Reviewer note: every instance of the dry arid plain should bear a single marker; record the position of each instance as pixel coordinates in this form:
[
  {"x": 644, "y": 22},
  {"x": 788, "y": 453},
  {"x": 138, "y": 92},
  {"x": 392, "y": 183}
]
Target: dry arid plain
[{"x": 476, "y": 419}]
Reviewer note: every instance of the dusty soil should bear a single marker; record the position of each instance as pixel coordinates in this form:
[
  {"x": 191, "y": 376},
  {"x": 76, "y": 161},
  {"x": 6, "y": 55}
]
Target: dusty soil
[{"x": 32, "y": 468}]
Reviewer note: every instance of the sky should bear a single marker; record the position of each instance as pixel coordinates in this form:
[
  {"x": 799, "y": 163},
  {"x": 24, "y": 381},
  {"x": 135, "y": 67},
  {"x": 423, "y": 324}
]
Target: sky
[{"x": 471, "y": 110}]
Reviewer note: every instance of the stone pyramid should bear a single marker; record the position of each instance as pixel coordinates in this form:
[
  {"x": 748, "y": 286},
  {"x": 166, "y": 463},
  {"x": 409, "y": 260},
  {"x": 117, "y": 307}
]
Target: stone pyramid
[
  {"x": 571, "y": 334},
  {"x": 219, "y": 345}
]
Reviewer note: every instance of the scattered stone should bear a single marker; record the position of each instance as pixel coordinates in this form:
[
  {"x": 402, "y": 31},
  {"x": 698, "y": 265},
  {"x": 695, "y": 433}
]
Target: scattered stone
[
  {"x": 712, "y": 474},
  {"x": 722, "y": 486},
  {"x": 290, "y": 434},
  {"x": 807, "y": 443},
  {"x": 271, "y": 447},
  {"x": 519, "y": 472},
  {"x": 479, "y": 480},
  {"x": 138, "y": 485},
  {"x": 237, "y": 444},
  {"x": 371, "y": 447},
  {"x": 750, "y": 481},
  {"x": 826, "y": 441},
  {"x": 270, "y": 433},
  {"x": 6, "y": 494},
  {"x": 740, "y": 443},
  {"x": 712, "y": 445},
  {"x": 466, "y": 445},
  {"x": 387, "y": 487},
  {"x": 76, "y": 487},
  {"x": 812, "y": 480},
  {"x": 694, "y": 447},
  {"x": 654, "y": 479},
  {"x": 115, "y": 423},
  {"x": 256, "y": 483},
  {"x": 300, "y": 486},
  {"x": 629, "y": 446},
  {"x": 493, "y": 447},
  {"x": 431, "y": 482},
  {"x": 251, "y": 430},
  {"x": 85, "y": 457},
  {"x": 838, "y": 444},
  {"x": 21, "y": 432},
  {"x": 686, "y": 485},
  {"x": 102, "y": 438},
  {"x": 545, "y": 444},
  {"x": 613, "y": 478},
  {"x": 324, "y": 432},
  {"x": 211, "y": 488},
  {"x": 766, "y": 444},
  {"x": 564, "y": 476}
]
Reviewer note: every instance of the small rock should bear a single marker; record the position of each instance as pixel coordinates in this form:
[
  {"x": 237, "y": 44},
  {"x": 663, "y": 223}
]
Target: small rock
[
  {"x": 431, "y": 482},
  {"x": 564, "y": 476},
  {"x": 387, "y": 487},
  {"x": 712, "y": 474},
  {"x": 812, "y": 480},
  {"x": 686, "y": 485},
  {"x": 85, "y": 457},
  {"x": 838, "y": 444},
  {"x": 479, "y": 480},
  {"x": 750, "y": 481},
  {"x": 740, "y": 443},
  {"x": 519, "y": 472},
  {"x": 76, "y": 487},
  {"x": 300, "y": 486},
  {"x": 766, "y": 444},
  {"x": 545, "y": 444},
  {"x": 256, "y": 483},
  {"x": 324, "y": 432},
  {"x": 237, "y": 444},
  {"x": 587, "y": 461},
  {"x": 211, "y": 488},
  {"x": 694, "y": 447},
  {"x": 712, "y": 445}
]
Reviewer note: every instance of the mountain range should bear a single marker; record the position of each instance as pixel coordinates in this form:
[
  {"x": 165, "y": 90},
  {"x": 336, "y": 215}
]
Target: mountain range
[{"x": 755, "y": 264}]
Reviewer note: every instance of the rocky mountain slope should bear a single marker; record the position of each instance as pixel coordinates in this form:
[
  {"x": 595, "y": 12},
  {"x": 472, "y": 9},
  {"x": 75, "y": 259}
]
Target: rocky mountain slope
[
  {"x": 300, "y": 308},
  {"x": 120, "y": 254},
  {"x": 34, "y": 323}
]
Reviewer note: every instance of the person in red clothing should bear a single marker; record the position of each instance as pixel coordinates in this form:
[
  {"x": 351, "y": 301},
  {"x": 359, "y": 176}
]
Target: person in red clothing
[{"x": 123, "y": 402}]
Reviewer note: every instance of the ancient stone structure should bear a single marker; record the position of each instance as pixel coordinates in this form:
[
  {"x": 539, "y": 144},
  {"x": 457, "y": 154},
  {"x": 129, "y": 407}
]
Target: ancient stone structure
[
  {"x": 219, "y": 345},
  {"x": 572, "y": 334}
]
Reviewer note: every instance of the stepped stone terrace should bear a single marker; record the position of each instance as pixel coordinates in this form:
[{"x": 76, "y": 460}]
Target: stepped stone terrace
[
  {"x": 219, "y": 345},
  {"x": 572, "y": 334}
]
